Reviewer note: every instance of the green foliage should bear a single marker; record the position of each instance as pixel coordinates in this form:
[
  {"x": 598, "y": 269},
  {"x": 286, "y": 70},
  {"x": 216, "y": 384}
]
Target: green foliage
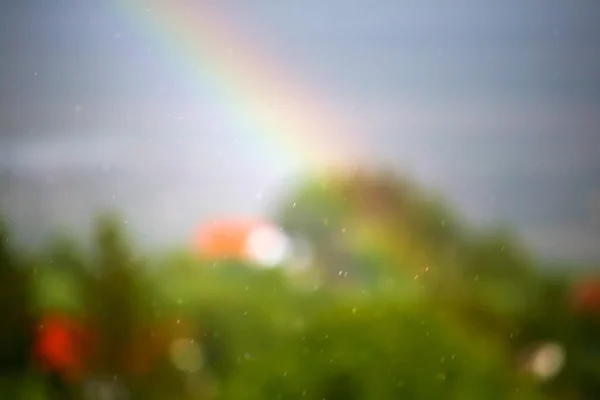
[
  {"x": 263, "y": 338},
  {"x": 483, "y": 278},
  {"x": 359, "y": 350},
  {"x": 415, "y": 305}
]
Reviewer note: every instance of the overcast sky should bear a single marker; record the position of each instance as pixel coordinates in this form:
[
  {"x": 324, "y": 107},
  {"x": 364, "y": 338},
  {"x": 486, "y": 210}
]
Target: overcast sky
[{"x": 495, "y": 103}]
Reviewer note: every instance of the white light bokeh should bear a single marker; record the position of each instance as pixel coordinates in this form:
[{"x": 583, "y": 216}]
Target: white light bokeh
[
  {"x": 267, "y": 246},
  {"x": 547, "y": 360}
]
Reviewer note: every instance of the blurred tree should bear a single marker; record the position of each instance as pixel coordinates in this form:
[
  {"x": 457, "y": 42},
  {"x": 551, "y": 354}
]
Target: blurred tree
[
  {"x": 118, "y": 297},
  {"x": 352, "y": 218},
  {"x": 17, "y": 325}
]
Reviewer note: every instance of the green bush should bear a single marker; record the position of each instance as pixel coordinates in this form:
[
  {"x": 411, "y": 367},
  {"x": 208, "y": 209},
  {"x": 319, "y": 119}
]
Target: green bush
[{"x": 262, "y": 337}]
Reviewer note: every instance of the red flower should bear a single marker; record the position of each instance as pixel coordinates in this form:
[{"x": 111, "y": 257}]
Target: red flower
[
  {"x": 62, "y": 345},
  {"x": 587, "y": 296}
]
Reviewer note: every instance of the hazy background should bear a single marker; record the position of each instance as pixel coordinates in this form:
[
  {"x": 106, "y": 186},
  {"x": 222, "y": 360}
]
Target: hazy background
[{"x": 496, "y": 104}]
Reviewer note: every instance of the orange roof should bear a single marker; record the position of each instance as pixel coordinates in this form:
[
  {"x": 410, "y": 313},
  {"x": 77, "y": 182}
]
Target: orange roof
[{"x": 225, "y": 238}]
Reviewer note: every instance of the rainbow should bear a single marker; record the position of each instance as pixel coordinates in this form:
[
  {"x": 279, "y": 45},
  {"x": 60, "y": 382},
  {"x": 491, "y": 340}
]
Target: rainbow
[{"x": 270, "y": 109}]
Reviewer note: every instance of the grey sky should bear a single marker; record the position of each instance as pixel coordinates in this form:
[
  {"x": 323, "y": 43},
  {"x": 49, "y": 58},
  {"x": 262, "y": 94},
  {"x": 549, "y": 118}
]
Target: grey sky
[{"x": 495, "y": 103}]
